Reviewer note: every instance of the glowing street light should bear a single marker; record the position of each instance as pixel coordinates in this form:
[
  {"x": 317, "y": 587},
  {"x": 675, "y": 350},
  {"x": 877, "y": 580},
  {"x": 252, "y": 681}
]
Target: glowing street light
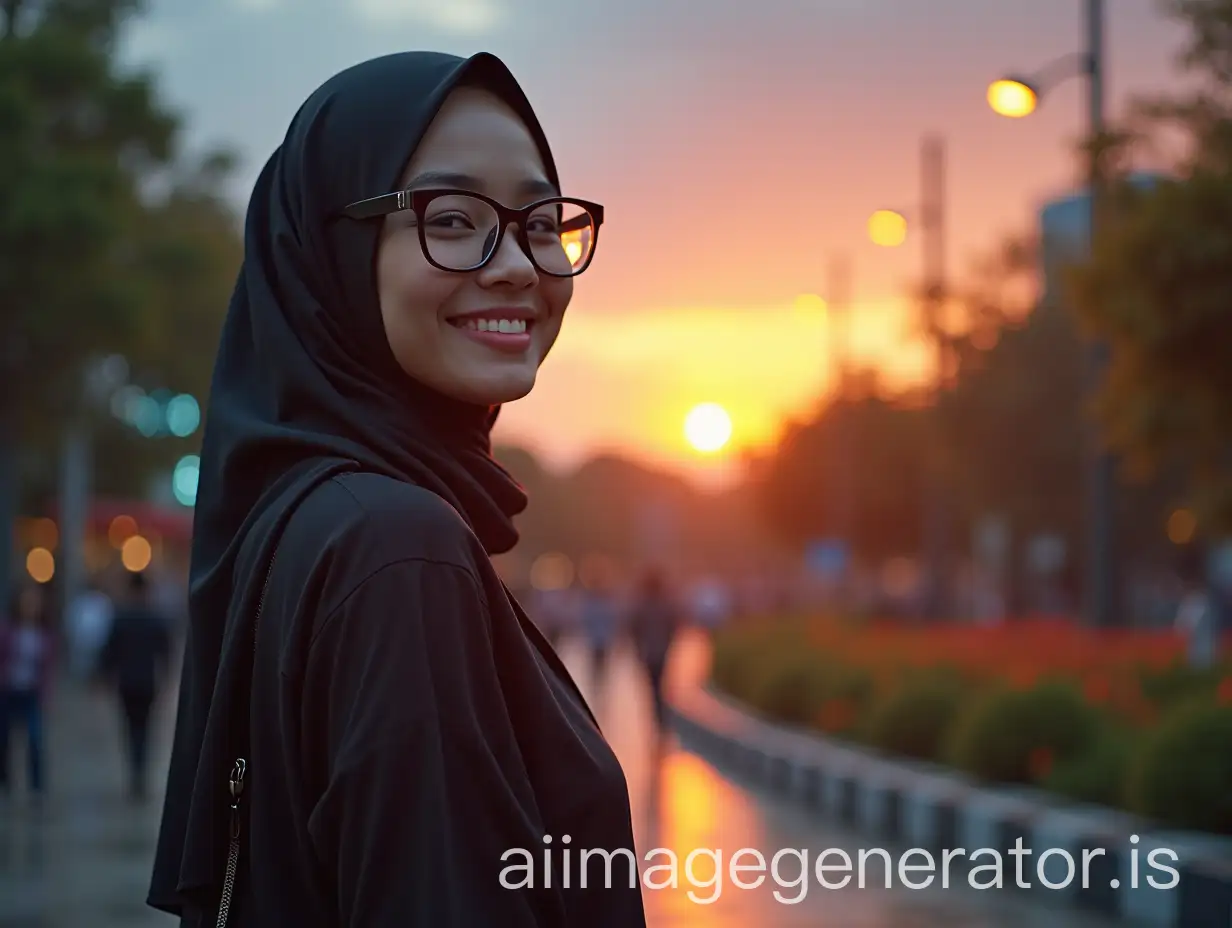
[
  {"x": 1013, "y": 97},
  {"x": 887, "y": 228},
  {"x": 1016, "y": 95}
]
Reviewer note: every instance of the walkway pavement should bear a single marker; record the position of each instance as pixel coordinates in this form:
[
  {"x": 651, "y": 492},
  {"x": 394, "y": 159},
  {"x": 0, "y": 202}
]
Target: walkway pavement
[{"x": 83, "y": 860}]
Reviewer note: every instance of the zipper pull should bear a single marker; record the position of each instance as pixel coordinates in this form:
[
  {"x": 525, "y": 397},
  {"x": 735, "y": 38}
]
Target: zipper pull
[{"x": 236, "y": 783}]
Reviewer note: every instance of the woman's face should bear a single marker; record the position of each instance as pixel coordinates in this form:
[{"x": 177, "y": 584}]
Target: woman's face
[{"x": 475, "y": 135}]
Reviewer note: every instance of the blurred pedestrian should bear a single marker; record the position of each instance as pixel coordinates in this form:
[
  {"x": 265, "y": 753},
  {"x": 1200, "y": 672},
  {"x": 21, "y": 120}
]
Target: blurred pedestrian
[
  {"x": 1196, "y": 617},
  {"x": 600, "y": 618},
  {"x": 27, "y": 662},
  {"x": 552, "y": 614},
  {"x": 654, "y": 622},
  {"x": 135, "y": 661},
  {"x": 87, "y": 624}
]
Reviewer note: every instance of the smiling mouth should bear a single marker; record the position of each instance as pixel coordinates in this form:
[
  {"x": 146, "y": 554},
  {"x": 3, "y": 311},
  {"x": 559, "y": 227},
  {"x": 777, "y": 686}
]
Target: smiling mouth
[
  {"x": 508, "y": 336},
  {"x": 493, "y": 325}
]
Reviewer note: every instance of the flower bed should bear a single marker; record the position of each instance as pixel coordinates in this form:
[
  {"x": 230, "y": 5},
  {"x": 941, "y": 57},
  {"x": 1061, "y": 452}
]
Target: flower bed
[{"x": 1112, "y": 717}]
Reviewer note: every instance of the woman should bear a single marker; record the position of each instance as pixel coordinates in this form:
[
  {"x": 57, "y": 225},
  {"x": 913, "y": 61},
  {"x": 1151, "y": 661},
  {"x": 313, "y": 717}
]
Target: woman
[
  {"x": 26, "y": 662},
  {"x": 402, "y": 744}
]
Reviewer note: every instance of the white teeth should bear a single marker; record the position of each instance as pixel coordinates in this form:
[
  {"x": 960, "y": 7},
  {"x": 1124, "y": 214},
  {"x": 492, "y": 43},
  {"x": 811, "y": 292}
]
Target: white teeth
[{"x": 504, "y": 326}]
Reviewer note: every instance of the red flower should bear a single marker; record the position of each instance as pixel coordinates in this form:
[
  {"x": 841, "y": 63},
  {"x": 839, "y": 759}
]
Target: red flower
[
  {"x": 1223, "y": 695},
  {"x": 1039, "y": 763}
]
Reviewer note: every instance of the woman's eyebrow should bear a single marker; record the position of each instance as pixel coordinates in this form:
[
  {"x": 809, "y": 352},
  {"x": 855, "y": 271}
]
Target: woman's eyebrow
[{"x": 535, "y": 186}]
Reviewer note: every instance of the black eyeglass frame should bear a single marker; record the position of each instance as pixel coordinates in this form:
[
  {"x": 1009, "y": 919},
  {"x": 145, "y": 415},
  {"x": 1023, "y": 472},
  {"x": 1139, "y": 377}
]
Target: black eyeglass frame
[{"x": 417, "y": 201}]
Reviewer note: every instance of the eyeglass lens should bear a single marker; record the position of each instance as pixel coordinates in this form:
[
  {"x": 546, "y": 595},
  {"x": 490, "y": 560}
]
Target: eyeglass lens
[{"x": 460, "y": 232}]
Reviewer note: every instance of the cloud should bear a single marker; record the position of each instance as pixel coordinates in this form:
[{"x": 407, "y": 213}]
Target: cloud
[{"x": 464, "y": 17}]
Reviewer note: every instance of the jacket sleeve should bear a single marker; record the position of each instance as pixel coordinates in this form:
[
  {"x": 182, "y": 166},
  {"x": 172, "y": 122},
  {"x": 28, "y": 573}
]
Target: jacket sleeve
[{"x": 426, "y": 788}]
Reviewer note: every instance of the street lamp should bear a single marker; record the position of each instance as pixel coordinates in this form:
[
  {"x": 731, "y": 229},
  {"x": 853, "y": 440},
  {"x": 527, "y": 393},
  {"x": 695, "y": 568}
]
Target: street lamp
[
  {"x": 1016, "y": 96},
  {"x": 888, "y": 228}
]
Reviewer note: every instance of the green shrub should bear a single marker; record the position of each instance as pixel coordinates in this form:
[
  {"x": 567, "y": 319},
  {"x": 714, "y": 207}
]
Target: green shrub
[
  {"x": 845, "y": 694},
  {"x": 1006, "y": 735},
  {"x": 1182, "y": 774},
  {"x": 790, "y": 686},
  {"x": 1179, "y": 684},
  {"x": 771, "y": 668},
  {"x": 913, "y": 719},
  {"x": 1097, "y": 773}
]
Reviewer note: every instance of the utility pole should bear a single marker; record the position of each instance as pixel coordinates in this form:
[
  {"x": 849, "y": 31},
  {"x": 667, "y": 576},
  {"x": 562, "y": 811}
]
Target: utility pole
[
  {"x": 1103, "y": 580},
  {"x": 936, "y": 292}
]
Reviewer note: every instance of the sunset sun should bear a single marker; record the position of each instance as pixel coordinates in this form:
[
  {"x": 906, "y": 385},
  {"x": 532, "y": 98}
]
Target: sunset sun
[{"x": 707, "y": 427}]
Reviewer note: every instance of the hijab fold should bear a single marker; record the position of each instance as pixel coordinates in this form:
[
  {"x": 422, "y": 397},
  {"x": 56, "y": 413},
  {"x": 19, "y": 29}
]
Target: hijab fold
[{"x": 306, "y": 386}]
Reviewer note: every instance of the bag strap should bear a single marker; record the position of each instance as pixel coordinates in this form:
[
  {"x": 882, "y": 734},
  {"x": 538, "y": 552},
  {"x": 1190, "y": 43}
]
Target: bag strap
[{"x": 236, "y": 780}]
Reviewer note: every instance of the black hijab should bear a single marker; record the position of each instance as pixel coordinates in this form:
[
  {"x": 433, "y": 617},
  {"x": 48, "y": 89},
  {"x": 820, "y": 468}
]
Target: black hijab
[{"x": 306, "y": 385}]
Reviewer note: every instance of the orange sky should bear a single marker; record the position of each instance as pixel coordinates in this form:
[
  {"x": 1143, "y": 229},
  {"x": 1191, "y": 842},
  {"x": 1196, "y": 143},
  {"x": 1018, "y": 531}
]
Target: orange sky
[
  {"x": 736, "y": 201},
  {"x": 738, "y": 147}
]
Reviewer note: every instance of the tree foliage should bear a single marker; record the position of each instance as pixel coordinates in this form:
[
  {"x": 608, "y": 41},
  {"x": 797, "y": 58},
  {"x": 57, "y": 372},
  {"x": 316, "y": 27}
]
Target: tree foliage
[
  {"x": 1159, "y": 282},
  {"x": 75, "y": 137},
  {"x": 111, "y": 242},
  {"x": 1009, "y": 436}
]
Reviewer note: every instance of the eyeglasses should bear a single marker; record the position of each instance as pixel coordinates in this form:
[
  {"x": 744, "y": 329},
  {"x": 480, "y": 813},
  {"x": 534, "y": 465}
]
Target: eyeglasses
[{"x": 460, "y": 230}]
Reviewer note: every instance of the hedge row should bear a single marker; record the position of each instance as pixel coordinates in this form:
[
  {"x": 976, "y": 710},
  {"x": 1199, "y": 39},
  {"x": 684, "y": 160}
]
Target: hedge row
[{"x": 1154, "y": 738}]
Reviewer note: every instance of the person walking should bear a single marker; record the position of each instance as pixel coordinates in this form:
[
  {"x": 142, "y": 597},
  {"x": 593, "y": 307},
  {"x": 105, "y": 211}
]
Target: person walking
[
  {"x": 27, "y": 660},
  {"x": 135, "y": 660},
  {"x": 653, "y": 624}
]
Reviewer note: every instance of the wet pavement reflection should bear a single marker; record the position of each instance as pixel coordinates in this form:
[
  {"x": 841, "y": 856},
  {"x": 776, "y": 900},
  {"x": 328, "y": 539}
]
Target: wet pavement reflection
[
  {"x": 682, "y": 803},
  {"x": 83, "y": 858}
]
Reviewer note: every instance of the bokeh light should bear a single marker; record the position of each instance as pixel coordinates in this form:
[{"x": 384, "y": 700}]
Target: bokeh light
[
  {"x": 40, "y": 565},
  {"x": 44, "y": 533},
  {"x": 552, "y": 571},
  {"x": 707, "y": 427},
  {"x": 1012, "y": 98},
  {"x": 185, "y": 478},
  {"x": 121, "y": 529},
  {"x": 1182, "y": 525},
  {"x": 136, "y": 554},
  {"x": 144, "y": 414},
  {"x": 887, "y": 228},
  {"x": 183, "y": 415}
]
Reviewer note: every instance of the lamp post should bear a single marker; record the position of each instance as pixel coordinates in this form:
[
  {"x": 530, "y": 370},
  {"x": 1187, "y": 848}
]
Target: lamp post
[
  {"x": 838, "y": 320},
  {"x": 1017, "y": 97},
  {"x": 888, "y": 228}
]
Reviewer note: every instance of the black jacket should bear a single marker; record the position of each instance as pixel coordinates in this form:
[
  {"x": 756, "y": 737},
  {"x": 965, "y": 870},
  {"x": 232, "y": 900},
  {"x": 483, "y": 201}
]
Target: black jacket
[{"x": 411, "y": 731}]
